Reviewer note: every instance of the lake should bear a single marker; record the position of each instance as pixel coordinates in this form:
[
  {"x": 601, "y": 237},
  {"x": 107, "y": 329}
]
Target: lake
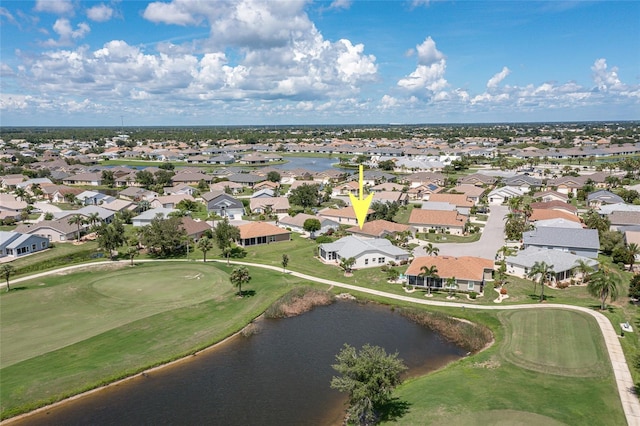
[{"x": 278, "y": 376}]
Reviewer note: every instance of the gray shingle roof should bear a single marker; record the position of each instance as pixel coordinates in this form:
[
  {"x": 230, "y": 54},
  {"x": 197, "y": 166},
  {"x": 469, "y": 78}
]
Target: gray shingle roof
[
  {"x": 562, "y": 237},
  {"x": 353, "y": 247}
]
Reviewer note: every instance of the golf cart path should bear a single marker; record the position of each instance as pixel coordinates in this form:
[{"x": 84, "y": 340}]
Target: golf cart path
[{"x": 622, "y": 374}]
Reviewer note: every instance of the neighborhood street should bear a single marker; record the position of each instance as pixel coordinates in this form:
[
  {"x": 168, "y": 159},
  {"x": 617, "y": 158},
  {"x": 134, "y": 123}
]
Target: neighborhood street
[{"x": 486, "y": 247}]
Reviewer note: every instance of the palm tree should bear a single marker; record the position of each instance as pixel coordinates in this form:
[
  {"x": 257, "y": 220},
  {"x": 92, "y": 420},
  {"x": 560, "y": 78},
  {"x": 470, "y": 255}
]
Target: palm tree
[
  {"x": 430, "y": 273},
  {"x": 238, "y": 277},
  {"x": 6, "y": 271},
  {"x": 452, "y": 285},
  {"x": 347, "y": 263},
  {"x": 79, "y": 220},
  {"x": 205, "y": 244},
  {"x": 604, "y": 283},
  {"x": 93, "y": 219},
  {"x": 541, "y": 272},
  {"x": 132, "y": 251},
  {"x": 584, "y": 268},
  {"x": 20, "y": 193},
  {"x": 431, "y": 250},
  {"x": 633, "y": 249}
]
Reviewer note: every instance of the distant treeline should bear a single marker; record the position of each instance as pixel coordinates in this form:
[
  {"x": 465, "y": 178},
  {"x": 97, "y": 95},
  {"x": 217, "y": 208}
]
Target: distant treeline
[{"x": 624, "y": 131}]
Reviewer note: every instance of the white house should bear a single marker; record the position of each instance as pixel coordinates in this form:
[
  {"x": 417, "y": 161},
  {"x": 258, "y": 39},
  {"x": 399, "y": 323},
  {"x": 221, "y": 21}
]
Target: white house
[
  {"x": 16, "y": 244},
  {"x": 368, "y": 252},
  {"x": 146, "y": 217},
  {"x": 563, "y": 263}
]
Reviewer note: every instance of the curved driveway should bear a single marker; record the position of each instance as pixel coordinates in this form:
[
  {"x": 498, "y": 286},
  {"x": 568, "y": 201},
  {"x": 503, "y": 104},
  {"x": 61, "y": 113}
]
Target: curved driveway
[
  {"x": 490, "y": 241},
  {"x": 624, "y": 381}
]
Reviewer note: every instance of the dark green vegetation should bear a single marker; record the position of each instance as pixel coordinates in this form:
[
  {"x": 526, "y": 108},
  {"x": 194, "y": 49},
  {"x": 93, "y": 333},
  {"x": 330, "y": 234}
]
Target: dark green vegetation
[
  {"x": 369, "y": 377},
  {"x": 298, "y": 301}
]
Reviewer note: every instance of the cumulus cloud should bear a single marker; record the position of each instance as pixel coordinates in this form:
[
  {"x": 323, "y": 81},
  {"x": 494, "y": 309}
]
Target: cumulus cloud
[
  {"x": 497, "y": 78},
  {"x": 58, "y": 7},
  {"x": 604, "y": 78},
  {"x": 428, "y": 78},
  {"x": 67, "y": 35},
  {"x": 340, "y": 4},
  {"x": 100, "y": 13}
]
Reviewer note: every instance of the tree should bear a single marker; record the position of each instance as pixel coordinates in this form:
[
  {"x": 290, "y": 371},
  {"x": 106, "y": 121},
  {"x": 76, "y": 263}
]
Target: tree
[
  {"x": 347, "y": 263},
  {"x": 312, "y": 225},
  {"x": 238, "y": 277},
  {"x": 429, "y": 273},
  {"x": 145, "y": 178},
  {"x": 431, "y": 250},
  {"x": 540, "y": 273},
  {"x": 6, "y": 271},
  {"x": 604, "y": 283},
  {"x": 273, "y": 176},
  {"x": 164, "y": 237},
  {"x": 224, "y": 234},
  {"x": 634, "y": 287},
  {"x": 285, "y": 261},
  {"x": 305, "y": 196},
  {"x": 79, "y": 220},
  {"x": 93, "y": 219},
  {"x": 205, "y": 244},
  {"x": 48, "y": 216},
  {"x": 111, "y": 236},
  {"x": 584, "y": 268},
  {"x": 387, "y": 165},
  {"x": 108, "y": 178},
  {"x": 369, "y": 377},
  {"x": 203, "y": 186},
  {"x": 132, "y": 251},
  {"x": 633, "y": 250}
]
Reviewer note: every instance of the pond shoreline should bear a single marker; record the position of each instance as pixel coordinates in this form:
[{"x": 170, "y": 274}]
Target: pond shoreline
[{"x": 301, "y": 300}]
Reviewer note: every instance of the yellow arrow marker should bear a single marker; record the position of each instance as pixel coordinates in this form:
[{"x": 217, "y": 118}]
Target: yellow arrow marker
[{"x": 360, "y": 205}]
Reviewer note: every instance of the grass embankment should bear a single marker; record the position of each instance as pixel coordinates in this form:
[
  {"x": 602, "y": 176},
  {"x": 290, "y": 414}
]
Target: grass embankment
[
  {"x": 62, "y": 254},
  {"x": 577, "y": 386},
  {"x": 298, "y": 301},
  {"x": 64, "y": 334}
]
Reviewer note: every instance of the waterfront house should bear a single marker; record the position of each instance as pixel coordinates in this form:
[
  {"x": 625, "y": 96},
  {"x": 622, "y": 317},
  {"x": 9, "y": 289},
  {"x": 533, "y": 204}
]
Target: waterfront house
[
  {"x": 255, "y": 233},
  {"x": 582, "y": 242},
  {"x": 468, "y": 273},
  {"x": 367, "y": 252}
]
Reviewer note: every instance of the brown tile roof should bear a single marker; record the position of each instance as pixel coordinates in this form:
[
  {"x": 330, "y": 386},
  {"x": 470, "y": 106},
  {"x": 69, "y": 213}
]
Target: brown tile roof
[
  {"x": 436, "y": 217},
  {"x": 463, "y": 268},
  {"x": 260, "y": 229},
  {"x": 555, "y": 205},
  {"x": 545, "y": 214},
  {"x": 377, "y": 228},
  {"x": 194, "y": 227},
  {"x": 343, "y": 212}
]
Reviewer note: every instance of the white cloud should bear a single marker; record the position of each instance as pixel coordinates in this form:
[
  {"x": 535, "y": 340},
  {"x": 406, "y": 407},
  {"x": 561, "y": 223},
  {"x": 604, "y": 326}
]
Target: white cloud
[
  {"x": 100, "y": 13},
  {"x": 6, "y": 15},
  {"x": 67, "y": 35},
  {"x": 428, "y": 78},
  {"x": 497, "y": 78},
  {"x": 58, "y": 7},
  {"x": 176, "y": 12},
  {"x": 340, "y": 4},
  {"x": 604, "y": 78}
]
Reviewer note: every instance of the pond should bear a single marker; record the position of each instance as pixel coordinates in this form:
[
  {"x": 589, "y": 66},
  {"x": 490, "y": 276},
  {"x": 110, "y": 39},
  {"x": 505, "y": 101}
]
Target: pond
[
  {"x": 314, "y": 164},
  {"x": 277, "y": 376}
]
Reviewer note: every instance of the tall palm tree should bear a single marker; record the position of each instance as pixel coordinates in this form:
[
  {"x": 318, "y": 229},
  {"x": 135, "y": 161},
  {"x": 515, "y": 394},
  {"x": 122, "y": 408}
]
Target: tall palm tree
[
  {"x": 633, "y": 249},
  {"x": 584, "y": 268},
  {"x": 431, "y": 250},
  {"x": 205, "y": 244},
  {"x": 430, "y": 273},
  {"x": 20, "y": 193},
  {"x": 79, "y": 220},
  {"x": 604, "y": 283},
  {"x": 540, "y": 273},
  {"x": 93, "y": 219},
  {"x": 239, "y": 276}
]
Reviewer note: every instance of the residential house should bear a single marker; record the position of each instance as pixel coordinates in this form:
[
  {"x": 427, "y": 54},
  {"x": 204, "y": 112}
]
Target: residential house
[
  {"x": 191, "y": 178},
  {"x": 87, "y": 178},
  {"x": 462, "y": 203},
  {"x": 226, "y": 186},
  {"x": 120, "y": 205},
  {"x": 438, "y": 221},
  {"x": 598, "y": 198},
  {"x": 423, "y": 192},
  {"x": 16, "y": 244},
  {"x": 564, "y": 264},
  {"x": 558, "y": 223},
  {"x": 93, "y": 198},
  {"x": 555, "y": 205},
  {"x": 547, "y": 196},
  {"x": 224, "y": 205},
  {"x": 195, "y": 229},
  {"x": 263, "y": 193},
  {"x": 344, "y": 216},
  {"x": 477, "y": 179},
  {"x": 254, "y": 233},
  {"x": 179, "y": 189},
  {"x": 266, "y": 205},
  {"x": 608, "y": 209},
  {"x": 472, "y": 192},
  {"x": 387, "y": 187},
  {"x": 267, "y": 184},
  {"x": 53, "y": 230},
  {"x": 523, "y": 182},
  {"x": 380, "y": 229},
  {"x": 10, "y": 206},
  {"x": 147, "y": 216},
  {"x": 137, "y": 194},
  {"x": 9, "y": 182},
  {"x": 346, "y": 188},
  {"x": 246, "y": 179},
  {"x": 567, "y": 184},
  {"x": 582, "y": 242},
  {"x": 105, "y": 215},
  {"x": 503, "y": 194},
  {"x": 468, "y": 273},
  {"x": 620, "y": 220},
  {"x": 296, "y": 223},
  {"x": 367, "y": 252},
  {"x": 549, "y": 214},
  {"x": 170, "y": 201},
  {"x": 57, "y": 193}
]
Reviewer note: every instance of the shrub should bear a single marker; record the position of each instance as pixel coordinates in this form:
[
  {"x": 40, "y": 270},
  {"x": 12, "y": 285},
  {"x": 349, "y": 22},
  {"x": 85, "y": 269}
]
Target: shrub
[
  {"x": 322, "y": 239},
  {"x": 473, "y": 295},
  {"x": 237, "y": 253},
  {"x": 432, "y": 231},
  {"x": 503, "y": 291},
  {"x": 384, "y": 268},
  {"x": 562, "y": 284}
]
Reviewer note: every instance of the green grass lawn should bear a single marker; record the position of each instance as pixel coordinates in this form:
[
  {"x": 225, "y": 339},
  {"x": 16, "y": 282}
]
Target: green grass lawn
[
  {"x": 64, "y": 334},
  {"x": 490, "y": 389}
]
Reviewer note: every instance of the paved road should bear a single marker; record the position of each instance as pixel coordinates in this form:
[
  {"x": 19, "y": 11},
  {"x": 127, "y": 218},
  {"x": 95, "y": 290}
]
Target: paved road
[
  {"x": 486, "y": 247},
  {"x": 624, "y": 381}
]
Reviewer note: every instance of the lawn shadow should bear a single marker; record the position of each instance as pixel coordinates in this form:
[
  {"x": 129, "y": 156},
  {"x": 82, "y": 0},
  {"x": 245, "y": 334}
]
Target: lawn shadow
[
  {"x": 596, "y": 307},
  {"x": 394, "y": 410},
  {"x": 22, "y": 287},
  {"x": 536, "y": 297},
  {"x": 247, "y": 293}
]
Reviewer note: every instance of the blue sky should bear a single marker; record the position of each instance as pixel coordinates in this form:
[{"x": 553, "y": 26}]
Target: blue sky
[{"x": 244, "y": 62}]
